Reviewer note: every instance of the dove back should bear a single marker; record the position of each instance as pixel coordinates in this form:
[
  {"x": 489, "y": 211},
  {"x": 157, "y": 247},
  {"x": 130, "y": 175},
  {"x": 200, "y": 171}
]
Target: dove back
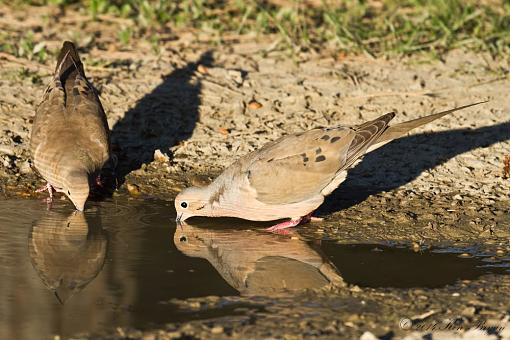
[{"x": 70, "y": 132}]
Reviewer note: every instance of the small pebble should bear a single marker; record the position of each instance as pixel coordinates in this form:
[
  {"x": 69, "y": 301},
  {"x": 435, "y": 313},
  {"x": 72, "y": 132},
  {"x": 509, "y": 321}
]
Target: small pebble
[
  {"x": 355, "y": 289},
  {"x": 223, "y": 131},
  {"x": 194, "y": 305},
  {"x": 160, "y": 157},
  {"x": 468, "y": 311},
  {"x": 174, "y": 335},
  {"x": 254, "y": 105},
  {"x": 133, "y": 189},
  {"x": 25, "y": 168},
  {"x": 202, "y": 69},
  {"x": 368, "y": 336},
  {"x": 217, "y": 330}
]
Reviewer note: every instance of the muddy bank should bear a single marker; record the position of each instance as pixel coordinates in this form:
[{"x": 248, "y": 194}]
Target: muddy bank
[
  {"x": 350, "y": 314},
  {"x": 202, "y": 107}
]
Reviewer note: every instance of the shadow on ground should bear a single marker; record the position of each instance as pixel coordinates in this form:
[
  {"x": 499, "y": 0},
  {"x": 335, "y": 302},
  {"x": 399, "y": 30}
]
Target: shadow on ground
[
  {"x": 161, "y": 119},
  {"x": 390, "y": 168}
]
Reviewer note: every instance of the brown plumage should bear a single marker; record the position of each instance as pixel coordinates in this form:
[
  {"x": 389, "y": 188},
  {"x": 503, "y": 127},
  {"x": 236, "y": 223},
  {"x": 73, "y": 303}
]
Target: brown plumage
[
  {"x": 290, "y": 177},
  {"x": 70, "y": 135}
]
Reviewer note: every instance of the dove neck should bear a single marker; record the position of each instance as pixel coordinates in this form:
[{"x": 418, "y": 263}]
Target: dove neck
[
  {"x": 223, "y": 199},
  {"x": 76, "y": 177}
]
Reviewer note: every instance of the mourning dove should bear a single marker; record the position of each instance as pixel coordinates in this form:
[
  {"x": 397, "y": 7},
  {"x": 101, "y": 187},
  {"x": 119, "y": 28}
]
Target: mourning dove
[
  {"x": 70, "y": 135},
  {"x": 257, "y": 263},
  {"x": 66, "y": 252},
  {"x": 290, "y": 177}
]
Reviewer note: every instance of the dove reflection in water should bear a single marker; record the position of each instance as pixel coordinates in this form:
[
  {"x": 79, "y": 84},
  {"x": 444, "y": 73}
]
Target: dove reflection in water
[
  {"x": 258, "y": 263},
  {"x": 67, "y": 250}
]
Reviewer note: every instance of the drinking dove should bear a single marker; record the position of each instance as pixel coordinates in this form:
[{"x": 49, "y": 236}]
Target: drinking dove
[
  {"x": 70, "y": 135},
  {"x": 290, "y": 177}
]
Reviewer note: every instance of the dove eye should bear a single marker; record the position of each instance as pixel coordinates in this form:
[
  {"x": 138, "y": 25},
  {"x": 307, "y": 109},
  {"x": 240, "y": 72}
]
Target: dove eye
[
  {"x": 68, "y": 192},
  {"x": 184, "y": 205},
  {"x": 183, "y": 239}
]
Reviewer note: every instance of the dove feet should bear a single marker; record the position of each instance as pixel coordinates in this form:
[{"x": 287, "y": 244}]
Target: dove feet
[
  {"x": 293, "y": 223},
  {"x": 285, "y": 225},
  {"x": 50, "y": 189}
]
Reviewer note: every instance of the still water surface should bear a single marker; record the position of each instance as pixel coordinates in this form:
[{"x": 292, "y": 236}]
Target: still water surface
[{"x": 65, "y": 272}]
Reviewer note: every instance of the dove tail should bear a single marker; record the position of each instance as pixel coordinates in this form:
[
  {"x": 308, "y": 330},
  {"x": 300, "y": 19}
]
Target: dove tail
[
  {"x": 398, "y": 130},
  {"x": 366, "y": 135},
  {"x": 68, "y": 61}
]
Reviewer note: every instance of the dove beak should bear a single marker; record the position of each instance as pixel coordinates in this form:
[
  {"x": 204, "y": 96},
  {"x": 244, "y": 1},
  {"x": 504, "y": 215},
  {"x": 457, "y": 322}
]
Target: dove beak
[{"x": 182, "y": 217}]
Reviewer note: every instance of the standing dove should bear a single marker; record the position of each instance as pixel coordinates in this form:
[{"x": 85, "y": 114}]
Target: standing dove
[
  {"x": 70, "y": 135},
  {"x": 290, "y": 177}
]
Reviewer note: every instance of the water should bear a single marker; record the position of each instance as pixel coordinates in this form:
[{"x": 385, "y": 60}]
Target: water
[
  {"x": 120, "y": 262},
  {"x": 65, "y": 273},
  {"x": 383, "y": 266}
]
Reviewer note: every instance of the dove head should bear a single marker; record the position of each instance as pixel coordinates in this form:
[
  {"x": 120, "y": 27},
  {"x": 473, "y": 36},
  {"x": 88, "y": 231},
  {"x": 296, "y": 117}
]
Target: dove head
[
  {"x": 192, "y": 202},
  {"x": 76, "y": 187}
]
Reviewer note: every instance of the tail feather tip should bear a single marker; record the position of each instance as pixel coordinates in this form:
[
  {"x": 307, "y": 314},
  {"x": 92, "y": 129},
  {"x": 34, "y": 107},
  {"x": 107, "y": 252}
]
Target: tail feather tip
[{"x": 68, "y": 56}]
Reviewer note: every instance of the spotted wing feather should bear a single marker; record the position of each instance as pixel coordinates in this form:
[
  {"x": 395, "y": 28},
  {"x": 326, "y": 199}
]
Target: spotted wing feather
[{"x": 298, "y": 167}]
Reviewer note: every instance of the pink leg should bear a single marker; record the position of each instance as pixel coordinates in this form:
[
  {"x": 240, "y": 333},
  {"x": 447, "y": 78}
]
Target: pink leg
[
  {"x": 293, "y": 223},
  {"x": 48, "y": 187},
  {"x": 285, "y": 225}
]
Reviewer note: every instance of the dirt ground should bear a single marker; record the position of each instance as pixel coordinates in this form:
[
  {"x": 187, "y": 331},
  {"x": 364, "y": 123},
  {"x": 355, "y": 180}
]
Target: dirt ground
[{"x": 203, "y": 103}]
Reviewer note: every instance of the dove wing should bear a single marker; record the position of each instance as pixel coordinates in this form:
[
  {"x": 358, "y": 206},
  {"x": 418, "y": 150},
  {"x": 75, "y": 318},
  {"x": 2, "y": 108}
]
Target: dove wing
[
  {"x": 50, "y": 110},
  {"x": 70, "y": 118},
  {"x": 86, "y": 114},
  {"x": 298, "y": 167}
]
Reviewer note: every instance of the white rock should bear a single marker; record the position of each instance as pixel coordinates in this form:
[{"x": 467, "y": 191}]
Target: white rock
[
  {"x": 367, "y": 336},
  {"x": 160, "y": 157}
]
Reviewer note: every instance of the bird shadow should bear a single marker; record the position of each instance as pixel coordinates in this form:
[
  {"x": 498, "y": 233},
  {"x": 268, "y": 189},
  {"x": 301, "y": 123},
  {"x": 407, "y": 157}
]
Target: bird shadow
[
  {"x": 390, "y": 168},
  {"x": 160, "y": 120}
]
